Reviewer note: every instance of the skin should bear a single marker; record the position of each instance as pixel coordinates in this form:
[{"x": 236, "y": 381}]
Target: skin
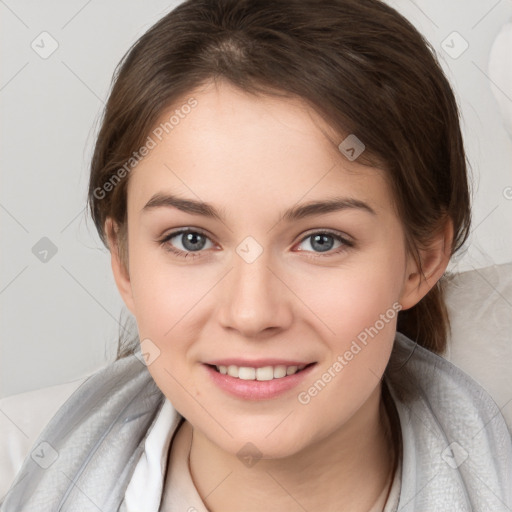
[{"x": 252, "y": 157}]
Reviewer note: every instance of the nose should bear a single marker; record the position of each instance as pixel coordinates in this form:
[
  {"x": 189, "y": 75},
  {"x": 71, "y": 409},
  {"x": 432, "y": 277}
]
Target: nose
[{"x": 256, "y": 300}]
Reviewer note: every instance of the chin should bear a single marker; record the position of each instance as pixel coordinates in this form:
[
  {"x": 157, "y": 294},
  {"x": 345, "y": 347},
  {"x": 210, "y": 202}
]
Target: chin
[{"x": 268, "y": 439}]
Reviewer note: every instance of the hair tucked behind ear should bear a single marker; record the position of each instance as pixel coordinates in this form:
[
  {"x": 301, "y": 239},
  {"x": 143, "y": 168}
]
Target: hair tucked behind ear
[{"x": 359, "y": 63}]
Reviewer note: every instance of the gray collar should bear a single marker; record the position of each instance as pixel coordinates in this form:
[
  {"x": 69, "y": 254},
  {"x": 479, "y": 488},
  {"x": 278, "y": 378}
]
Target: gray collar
[{"x": 457, "y": 450}]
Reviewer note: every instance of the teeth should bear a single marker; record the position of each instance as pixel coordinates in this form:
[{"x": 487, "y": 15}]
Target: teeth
[
  {"x": 279, "y": 371},
  {"x": 246, "y": 373},
  {"x": 232, "y": 371},
  {"x": 291, "y": 370},
  {"x": 263, "y": 373}
]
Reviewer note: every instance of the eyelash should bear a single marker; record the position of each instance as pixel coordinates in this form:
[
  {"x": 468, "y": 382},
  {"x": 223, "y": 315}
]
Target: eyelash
[{"x": 346, "y": 243}]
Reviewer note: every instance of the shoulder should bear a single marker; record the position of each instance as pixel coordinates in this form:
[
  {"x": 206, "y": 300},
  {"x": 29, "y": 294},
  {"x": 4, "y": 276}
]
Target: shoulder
[
  {"x": 455, "y": 440},
  {"x": 480, "y": 343},
  {"x": 418, "y": 376},
  {"x": 22, "y": 419}
]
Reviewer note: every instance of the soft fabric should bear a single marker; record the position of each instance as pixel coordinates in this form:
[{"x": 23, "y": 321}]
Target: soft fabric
[
  {"x": 84, "y": 458},
  {"x": 500, "y": 73},
  {"x": 22, "y": 419},
  {"x": 145, "y": 489},
  {"x": 480, "y": 306},
  {"x": 457, "y": 450}
]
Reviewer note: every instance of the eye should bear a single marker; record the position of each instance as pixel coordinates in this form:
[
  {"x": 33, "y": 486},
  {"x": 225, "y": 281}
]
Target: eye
[
  {"x": 191, "y": 241},
  {"x": 323, "y": 242}
]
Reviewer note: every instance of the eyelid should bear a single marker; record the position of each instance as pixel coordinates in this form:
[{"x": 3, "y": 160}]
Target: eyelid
[
  {"x": 346, "y": 240},
  {"x": 338, "y": 234},
  {"x": 179, "y": 231}
]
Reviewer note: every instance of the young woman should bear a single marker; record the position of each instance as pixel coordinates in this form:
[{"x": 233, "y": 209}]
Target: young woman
[{"x": 281, "y": 186}]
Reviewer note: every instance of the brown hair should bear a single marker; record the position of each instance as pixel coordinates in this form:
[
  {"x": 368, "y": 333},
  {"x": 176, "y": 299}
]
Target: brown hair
[{"x": 359, "y": 63}]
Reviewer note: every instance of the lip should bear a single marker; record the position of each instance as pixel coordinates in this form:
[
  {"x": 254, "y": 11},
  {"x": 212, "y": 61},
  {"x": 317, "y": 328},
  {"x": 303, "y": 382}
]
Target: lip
[
  {"x": 257, "y": 389},
  {"x": 257, "y": 363}
]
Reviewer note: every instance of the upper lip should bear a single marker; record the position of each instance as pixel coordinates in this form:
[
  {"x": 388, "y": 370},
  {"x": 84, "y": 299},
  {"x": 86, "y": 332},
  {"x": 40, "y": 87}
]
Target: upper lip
[{"x": 257, "y": 363}]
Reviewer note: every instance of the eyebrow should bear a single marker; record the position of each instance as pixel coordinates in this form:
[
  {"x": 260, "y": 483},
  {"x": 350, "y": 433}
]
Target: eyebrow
[{"x": 295, "y": 213}]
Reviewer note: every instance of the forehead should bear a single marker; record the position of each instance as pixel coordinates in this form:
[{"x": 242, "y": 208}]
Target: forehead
[{"x": 236, "y": 147}]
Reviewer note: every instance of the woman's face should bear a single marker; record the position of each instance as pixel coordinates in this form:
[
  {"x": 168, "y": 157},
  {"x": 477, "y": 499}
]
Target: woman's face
[{"x": 262, "y": 279}]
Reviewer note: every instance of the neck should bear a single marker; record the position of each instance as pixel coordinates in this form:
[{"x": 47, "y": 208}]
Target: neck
[{"x": 345, "y": 471}]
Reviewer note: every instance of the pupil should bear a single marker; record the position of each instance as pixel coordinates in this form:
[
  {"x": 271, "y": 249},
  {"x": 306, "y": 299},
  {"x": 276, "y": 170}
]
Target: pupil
[
  {"x": 191, "y": 241},
  {"x": 320, "y": 239}
]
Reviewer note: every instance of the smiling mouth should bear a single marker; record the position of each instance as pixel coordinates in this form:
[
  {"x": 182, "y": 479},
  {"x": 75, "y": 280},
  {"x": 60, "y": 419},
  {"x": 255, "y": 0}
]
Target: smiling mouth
[{"x": 264, "y": 373}]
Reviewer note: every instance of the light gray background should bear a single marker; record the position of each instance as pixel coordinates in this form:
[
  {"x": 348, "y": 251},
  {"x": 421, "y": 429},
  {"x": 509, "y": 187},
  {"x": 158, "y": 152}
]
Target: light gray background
[{"x": 59, "y": 318}]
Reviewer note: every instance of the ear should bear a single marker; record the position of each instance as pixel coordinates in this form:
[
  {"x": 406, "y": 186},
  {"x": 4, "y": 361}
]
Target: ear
[
  {"x": 434, "y": 260},
  {"x": 119, "y": 267}
]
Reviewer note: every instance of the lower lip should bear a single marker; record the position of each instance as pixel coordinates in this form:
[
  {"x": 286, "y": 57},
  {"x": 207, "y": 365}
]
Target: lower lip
[{"x": 257, "y": 389}]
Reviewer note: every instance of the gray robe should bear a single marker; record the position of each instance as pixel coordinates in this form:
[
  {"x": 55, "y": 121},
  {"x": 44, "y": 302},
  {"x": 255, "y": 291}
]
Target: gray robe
[{"x": 456, "y": 447}]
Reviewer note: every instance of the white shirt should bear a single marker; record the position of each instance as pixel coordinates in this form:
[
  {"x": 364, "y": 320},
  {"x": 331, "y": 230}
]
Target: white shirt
[{"x": 144, "y": 492}]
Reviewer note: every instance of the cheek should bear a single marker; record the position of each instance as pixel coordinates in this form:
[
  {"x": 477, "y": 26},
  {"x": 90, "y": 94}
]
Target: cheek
[
  {"x": 353, "y": 298},
  {"x": 357, "y": 309},
  {"x": 171, "y": 304},
  {"x": 362, "y": 315},
  {"x": 164, "y": 301},
  {"x": 162, "y": 292}
]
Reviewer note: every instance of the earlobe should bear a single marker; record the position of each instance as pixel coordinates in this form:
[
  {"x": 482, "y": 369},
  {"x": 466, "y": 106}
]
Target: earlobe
[
  {"x": 434, "y": 260},
  {"x": 119, "y": 268}
]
